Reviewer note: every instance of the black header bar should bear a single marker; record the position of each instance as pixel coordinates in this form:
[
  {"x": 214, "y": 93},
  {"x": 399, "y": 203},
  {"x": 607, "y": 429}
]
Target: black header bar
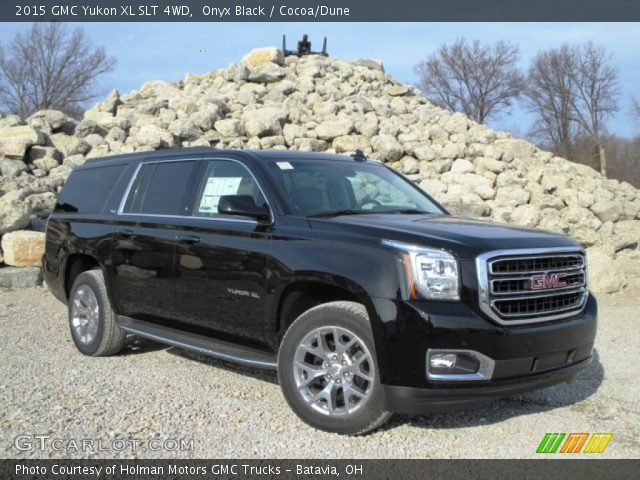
[
  {"x": 319, "y": 10},
  {"x": 317, "y": 469}
]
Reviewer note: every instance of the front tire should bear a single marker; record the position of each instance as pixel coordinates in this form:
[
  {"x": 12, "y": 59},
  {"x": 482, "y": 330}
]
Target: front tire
[
  {"x": 92, "y": 322},
  {"x": 328, "y": 371}
]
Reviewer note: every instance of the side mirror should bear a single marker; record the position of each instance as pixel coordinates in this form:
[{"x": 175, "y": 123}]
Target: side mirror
[{"x": 243, "y": 205}]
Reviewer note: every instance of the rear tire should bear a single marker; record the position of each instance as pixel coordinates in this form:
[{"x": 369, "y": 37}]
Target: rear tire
[
  {"x": 93, "y": 324},
  {"x": 328, "y": 371}
]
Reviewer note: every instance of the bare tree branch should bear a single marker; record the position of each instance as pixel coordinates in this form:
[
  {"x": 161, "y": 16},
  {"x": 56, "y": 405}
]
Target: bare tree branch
[
  {"x": 635, "y": 109},
  {"x": 572, "y": 90},
  {"x": 479, "y": 80},
  {"x": 50, "y": 67}
]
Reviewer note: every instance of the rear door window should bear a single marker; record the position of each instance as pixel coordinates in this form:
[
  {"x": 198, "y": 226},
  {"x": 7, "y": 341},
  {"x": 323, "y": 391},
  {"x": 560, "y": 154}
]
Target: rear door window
[{"x": 161, "y": 188}]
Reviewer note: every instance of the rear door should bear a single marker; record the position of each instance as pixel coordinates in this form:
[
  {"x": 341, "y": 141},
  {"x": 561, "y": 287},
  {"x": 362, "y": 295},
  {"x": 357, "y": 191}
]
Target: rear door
[
  {"x": 222, "y": 261},
  {"x": 143, "y": 263}
]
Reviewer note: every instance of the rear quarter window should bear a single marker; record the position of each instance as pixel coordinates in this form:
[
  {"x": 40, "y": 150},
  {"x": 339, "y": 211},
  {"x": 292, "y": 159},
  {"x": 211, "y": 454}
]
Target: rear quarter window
[{"x": 87, "y": 190}]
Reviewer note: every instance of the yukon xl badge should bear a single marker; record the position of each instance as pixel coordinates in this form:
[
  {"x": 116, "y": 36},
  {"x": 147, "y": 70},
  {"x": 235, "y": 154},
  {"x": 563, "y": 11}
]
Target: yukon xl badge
[
  {"x": 242, "y": 293},
  {"x": 548, "y": 280}
]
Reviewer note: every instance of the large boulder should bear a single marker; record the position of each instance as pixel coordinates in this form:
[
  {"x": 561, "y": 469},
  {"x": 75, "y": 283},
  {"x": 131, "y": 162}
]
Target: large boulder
[
  {"x": 264, "y": 121},
  {"x": 23, "y": 248},
  {"x": 11, "y": 168},
  {"x": 14, "y": 212},
  {"x": 16, "y": 277},
  {"x": 15, "y": 141},
  {"x": 49, "y": 120},
  {"x": 260, "y": 56},
  {"x": 602, "y": 277}
]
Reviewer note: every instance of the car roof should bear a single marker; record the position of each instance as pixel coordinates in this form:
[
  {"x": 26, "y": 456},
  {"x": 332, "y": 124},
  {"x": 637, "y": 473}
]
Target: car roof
[{"x": 198, "y": 151}]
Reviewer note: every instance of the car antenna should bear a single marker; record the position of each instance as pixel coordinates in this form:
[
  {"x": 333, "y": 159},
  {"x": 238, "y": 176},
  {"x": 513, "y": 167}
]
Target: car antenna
[{"x": 359, "y": 156}]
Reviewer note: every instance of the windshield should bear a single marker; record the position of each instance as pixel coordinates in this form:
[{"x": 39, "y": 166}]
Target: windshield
[{"x": 324, "y": 188}]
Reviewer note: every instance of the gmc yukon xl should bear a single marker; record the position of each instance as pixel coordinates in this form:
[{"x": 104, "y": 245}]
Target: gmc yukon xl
[{"x": 364, "y": 293}]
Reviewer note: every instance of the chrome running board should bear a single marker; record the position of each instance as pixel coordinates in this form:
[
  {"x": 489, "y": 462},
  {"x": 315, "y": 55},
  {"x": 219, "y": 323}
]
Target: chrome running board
[{"x": 212, "y": 347}]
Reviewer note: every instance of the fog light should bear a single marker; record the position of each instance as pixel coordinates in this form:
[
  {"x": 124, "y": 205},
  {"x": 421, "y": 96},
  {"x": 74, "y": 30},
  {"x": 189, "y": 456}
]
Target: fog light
[
  {"x": 442, "y": 362},
  {"x": 458, "y": 365}
]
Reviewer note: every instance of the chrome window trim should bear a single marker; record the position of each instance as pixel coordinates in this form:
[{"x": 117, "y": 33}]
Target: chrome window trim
[
  {"x": 123, "y": 201},
  {"x": 485, "y": 370},
  {"x": 482, "y": 273}
]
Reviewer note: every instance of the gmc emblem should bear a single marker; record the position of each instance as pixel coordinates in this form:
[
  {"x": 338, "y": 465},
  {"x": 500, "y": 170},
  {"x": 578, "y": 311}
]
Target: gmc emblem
[{"x": 548, "y": 280}]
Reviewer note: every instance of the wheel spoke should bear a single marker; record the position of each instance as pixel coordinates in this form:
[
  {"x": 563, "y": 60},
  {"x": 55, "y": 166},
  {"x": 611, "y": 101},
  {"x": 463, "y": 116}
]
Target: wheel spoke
[
  {"x": 355, "y": 391},
  {"x": 322, "y": 343},
  {"x": 341, "y": 348},
  {"x": 313, "y": 373}
]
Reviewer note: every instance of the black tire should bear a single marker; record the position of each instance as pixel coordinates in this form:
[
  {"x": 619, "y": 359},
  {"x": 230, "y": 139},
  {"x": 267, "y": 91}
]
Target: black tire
[
  {"x": 109, "y": 339},
  {"x": 353, "y": 318}
]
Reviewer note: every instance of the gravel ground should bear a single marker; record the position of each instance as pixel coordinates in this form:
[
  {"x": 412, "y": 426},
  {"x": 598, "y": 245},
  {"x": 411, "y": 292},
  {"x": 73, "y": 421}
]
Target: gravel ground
[{"x": 152, "y": 392}]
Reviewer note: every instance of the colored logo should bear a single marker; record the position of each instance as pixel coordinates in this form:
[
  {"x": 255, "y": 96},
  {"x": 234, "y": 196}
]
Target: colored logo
[
  {"x": 574, "y": 443},
  {"x": 548, "y": 280}
]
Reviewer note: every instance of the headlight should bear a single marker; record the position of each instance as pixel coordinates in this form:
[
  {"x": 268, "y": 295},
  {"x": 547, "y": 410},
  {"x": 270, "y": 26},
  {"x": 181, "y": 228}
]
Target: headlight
[{"x": 431, "y": 273}]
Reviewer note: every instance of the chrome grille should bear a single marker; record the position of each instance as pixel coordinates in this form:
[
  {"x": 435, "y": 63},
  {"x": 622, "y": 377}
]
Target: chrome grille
[{"x": 517, "y": 286}]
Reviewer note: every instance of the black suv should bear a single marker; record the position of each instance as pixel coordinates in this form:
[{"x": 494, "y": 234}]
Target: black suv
[{"x": 361, "y": 290}]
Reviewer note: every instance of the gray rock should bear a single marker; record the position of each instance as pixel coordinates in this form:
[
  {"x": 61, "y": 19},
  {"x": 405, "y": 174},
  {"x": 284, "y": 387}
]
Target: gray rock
[
  {"x": 387, "y": 147},
  {"x": 266, "y": 73},
  {"x": 331, "y": 129},
  {"x": 264, "y": 121},
  {"x": 20, "y": 277},
  {"x": 185, "y": 129},
  {"x": 372, "y": 64},
  {"x": 48, "y": 120},
  {"x": 14, "y": 141},
  {"x": 14, "y": 212},
  {"x": 602, "y": 278},
  {"x": 229, "y": 127},
  {"x": 260, "y": 56},
  {"x": 42, "y": 204},
  {"x": 398, "y": 90},
  {"x": 86, "y": 127},
  {"x": 11, "y": 168},
  {"x": 462, "y": 165}
]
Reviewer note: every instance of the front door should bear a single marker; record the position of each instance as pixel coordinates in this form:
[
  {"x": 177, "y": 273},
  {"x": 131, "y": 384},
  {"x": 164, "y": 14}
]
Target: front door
[{"x": 222, "y": 261}]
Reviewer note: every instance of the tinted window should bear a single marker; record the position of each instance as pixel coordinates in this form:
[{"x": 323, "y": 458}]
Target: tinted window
[
  {"x": 161, "y": 189},
  {"x": 224, "y": 177},
  {"x": 316, "y": 187},
  {"x": 86, "y": 190}
]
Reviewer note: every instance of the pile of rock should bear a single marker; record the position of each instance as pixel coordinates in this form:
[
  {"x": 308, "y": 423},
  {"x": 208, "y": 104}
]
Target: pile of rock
[{"x": 323, "y": 104}]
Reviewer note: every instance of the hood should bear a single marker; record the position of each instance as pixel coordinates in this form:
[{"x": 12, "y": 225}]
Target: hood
[{"x": 464, "y": 237}]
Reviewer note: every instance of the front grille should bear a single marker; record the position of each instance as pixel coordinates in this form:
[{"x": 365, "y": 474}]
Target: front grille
[
  {"x": 537, "y": 264},
  {"x": 518, "y": 288}
]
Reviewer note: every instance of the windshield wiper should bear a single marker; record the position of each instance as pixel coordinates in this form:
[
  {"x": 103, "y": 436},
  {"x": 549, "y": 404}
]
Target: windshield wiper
[
  {"x": 410, "y": 211},
  {"x": 335, "y": 213}
]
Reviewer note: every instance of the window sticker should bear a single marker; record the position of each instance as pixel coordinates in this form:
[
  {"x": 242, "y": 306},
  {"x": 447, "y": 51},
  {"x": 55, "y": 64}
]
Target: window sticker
[
  {"x": 214, "y": 189},
  {"x": 284, "y": 165}
]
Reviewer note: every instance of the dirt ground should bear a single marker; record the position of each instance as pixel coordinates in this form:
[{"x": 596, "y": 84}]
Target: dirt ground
[{"x": 172, "y": 403}]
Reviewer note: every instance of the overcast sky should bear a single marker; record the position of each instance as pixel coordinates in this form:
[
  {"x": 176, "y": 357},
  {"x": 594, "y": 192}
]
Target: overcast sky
[{"x": 166, "y": 51}]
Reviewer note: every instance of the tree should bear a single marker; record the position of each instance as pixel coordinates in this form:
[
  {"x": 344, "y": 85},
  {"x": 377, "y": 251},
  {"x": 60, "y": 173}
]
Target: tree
[
  {"x": 550, "y": 98},
  {"x": 635, "y": 109},
  {"x": 50, "y": 67},
  {"x": 572, "y": 90},
  {"x": 478, "y": 80}
]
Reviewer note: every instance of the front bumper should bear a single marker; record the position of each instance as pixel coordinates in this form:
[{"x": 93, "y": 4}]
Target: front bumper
[
  {"x": 527, "y": 357},
  {"x": 425, "y": 400}
]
